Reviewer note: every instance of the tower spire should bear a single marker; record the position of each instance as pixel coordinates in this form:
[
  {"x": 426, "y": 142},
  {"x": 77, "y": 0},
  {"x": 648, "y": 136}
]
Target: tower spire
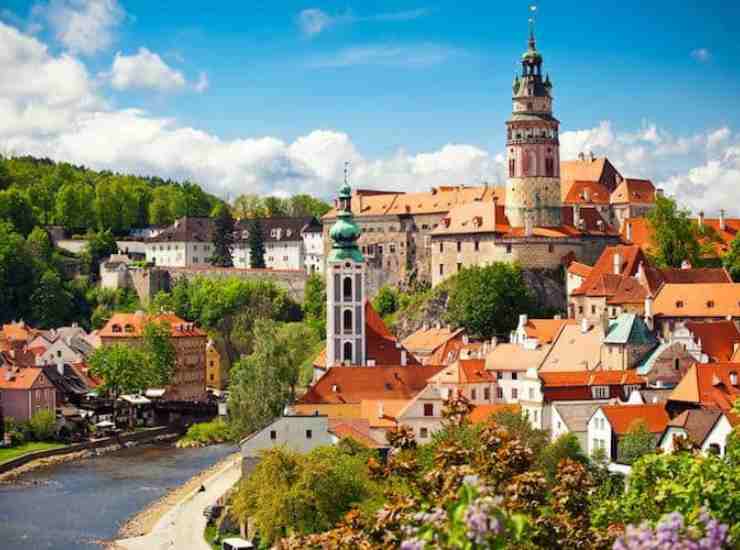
[{"x": 532, "y": 21}]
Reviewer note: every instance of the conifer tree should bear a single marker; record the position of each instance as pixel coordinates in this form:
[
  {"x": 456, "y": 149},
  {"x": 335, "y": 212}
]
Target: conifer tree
[
  {"x": 223, "y": 237},
  {"x": 256, "y": 243}
]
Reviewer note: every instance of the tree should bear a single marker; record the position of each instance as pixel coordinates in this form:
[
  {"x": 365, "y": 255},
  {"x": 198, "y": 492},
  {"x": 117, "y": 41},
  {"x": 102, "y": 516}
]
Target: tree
[
  {"x": 636, "y": 443},
  {"x": 248, "y": 206},
  {"x": 41, "y": 195},
  {"x": 16, "y": 274},
  {"x": 40, "y": 245},
  {"x": 564, "y": 447},
  {"x": 256, "y": 243},
  {"x": 160, "y": 352},
  {"x": 16, "y": 209},
  {"x": 517, "y": 424},
  {"x": 51, "y": 303},
  {"x": 731, "y": 259},
  {"x": 306, "y": 205},
  {"x": 386, "y": 301},
  {"x": 275, "y": 207},
  {"x": 100, "y": 246},
  {"x": 487, "y": 300},
  {"x": 675, "y": 236},
  {"x": 314, "y": 304},
  {"x": 43, "y": 424},
  {"x": 223, "y": 237},
  {"x": 74, "y": 206},
  {"x": 6, "y": 179}
]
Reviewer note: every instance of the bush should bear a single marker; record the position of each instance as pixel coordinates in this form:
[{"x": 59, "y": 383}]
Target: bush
[
  {"x": 206, "y": 433},
  {"x": 43, "y": 425},
  {"x": 18, "y": 431}
]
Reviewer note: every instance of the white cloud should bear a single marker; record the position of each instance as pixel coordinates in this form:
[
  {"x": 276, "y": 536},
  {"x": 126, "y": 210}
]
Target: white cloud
[
  {"x": 314, "y": 21},
  {"x": 82, "y": 26},
  {"x": 145, "y": 69},
  {"x": 702, "y": 55},
  {"x": 388, "y": 55},
  {"x": 202, "y": 84}
]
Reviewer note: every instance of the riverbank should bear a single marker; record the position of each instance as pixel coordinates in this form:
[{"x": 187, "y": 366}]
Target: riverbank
[{"x": 144, "y": 521}]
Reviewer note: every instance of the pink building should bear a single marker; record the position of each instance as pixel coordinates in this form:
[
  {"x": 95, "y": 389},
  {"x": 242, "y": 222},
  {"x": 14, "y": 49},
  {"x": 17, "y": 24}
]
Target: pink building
[{"x": 24, "y": 392}]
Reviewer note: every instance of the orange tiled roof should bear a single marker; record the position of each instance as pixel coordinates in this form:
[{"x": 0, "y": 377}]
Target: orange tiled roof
[
  {"x": 587, "y": 192},
  {"x": 545, "y": 330},
  {"x": 481, "y": 413},
  {"x": 718, "y": 338},
  {"x": 579, "y": 269},
  {"x": 429, "y": 339},
  {"x": 641, "y": 233},
  {"x": 629, "y": 291},
  {"x": 574, "y": 350},
  {"x": 513, "y": 357},
  {"x": 355, "y": 384},
  {"x": 382, "y": 413},
  {"x": 17, "y": 331},
  {"x": 474, "y": 371},
  {"x": 698, "y": 300},
  {"x": 634, "y": 191},
  {"x": 602, "y": 281},
  {"x": 580, "y": 170},
  {"x": 591, "y": 378},
  {"x": 131, "y": 325},
  {"x": 357, "y": 429},
  {"x": 623, "y": 417},
  {"x": 23, "y": 378},
  {"x": 709, "y": 385}
]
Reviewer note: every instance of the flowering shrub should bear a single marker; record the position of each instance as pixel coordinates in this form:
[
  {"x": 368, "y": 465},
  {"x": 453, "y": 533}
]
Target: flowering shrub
[{"x": 673, "y": 534}]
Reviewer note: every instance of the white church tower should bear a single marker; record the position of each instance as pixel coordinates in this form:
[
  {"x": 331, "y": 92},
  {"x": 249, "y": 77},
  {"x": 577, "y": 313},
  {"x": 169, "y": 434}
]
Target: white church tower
[{"x": 345, "y": 289}]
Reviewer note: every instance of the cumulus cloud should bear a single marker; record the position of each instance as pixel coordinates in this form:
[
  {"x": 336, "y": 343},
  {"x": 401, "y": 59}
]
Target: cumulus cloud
[
  {"x": 142, "y": 70},
  {"x": 82, "y": 26},
  {"x": 702, "y": 55},
  {"x": 313, "y": 21}
]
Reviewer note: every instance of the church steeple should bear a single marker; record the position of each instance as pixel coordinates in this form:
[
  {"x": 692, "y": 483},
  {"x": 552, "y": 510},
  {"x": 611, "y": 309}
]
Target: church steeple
[{"x": 345, "y": 232}]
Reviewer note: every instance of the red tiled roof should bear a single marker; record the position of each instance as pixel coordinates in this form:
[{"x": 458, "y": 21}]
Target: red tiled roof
[
  {"x": 579, "y": 269},
  {"x": 429, "y": 339},
  {"x": 587, "y": 192},
  {"x": 22, "y": 378},
  {"x": 718, "y": 338},
  {"x": 629, "y": 291},
  {"x": 709, "y": 385},
  {"x": 623, "y": 418},
  {"x": 131, "y": 325},
  {"x": 634, "y": 191},
  {"x": 641, "y": 233},
  {"x": 545, "y": 330},
  {"x": 353, "y": 428},
  {"x": 481, "y": 413},
  {"x": 474, "y": 371},
  {"x": 602, "y": 281},
  {"x": 706, "y": 300},
  {"x": 591, "y": 378},
  {"x": 354, "y": 384}
]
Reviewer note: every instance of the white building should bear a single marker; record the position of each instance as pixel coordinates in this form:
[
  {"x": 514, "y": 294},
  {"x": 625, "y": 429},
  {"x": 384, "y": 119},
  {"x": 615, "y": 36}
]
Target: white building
[
  {"x": 313, "y": 246},
  {"x": 610, "y": 423},
  {"x": 705, "y": 429}
]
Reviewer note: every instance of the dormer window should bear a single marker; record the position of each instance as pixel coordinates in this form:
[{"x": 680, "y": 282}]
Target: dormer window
[
  {"x": 116, "y": 328},
  {"x": 128, "y": 328},
  {"x": 335, "y": 388},
  {"x": 733, "y": 378},
  {"x": 710, "y": 303},
  {"x": 679, "y": 303}
]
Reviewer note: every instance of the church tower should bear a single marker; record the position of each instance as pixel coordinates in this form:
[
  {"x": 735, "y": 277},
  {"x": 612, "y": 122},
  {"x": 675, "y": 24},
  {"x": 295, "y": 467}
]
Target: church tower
[
  {"x": 345, "y": 288},
  {"x": 532, "y": 147}
]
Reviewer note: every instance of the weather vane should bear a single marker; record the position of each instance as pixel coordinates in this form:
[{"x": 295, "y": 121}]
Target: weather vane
[
  {"x": 346, "y": 172},
  {"x": 532, "y": 18}
]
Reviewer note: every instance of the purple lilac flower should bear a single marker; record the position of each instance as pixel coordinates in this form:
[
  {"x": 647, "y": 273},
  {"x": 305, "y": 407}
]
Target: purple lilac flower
[
  {"x": 671, "y": 534},
  {"x": 480, "y": 521},
  {"x": 413, "y": 544}
]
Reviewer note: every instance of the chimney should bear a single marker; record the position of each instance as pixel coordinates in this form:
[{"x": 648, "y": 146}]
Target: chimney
[
  {"x": 733, "y": 378},
  {"x": 359, "y": 200},
  {"x": 587, "y": 194},
  {"x": 605, "y": 323},
  {"x": 628, "y": 228},
  {"x": 584, "y": 326},
  {"x": 558, "y": 317},
  {"x": 701, "y": 218},
  {"x": 465, "y": 340},
  {"x": 576, "y": 215},
  {"x": 495, "y": 206},
  {"x": 591, "y": 156},
  {"x": 404, "y": 359},
  {"x": 659, "y": 191},
  {"x": 722, "y": 220},
  {"x": 494, "y": 343},
  {"x": 649, "y": 311},
  {"x": 581, "y": 156},
  {"x": 639, "y": 275},
  {"x": 617, "y": 259}
]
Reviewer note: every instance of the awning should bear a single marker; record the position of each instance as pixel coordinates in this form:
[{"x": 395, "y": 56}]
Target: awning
[
  {"x": 155, "y": 392},
  {"x": 136, "y": 399},
  {"x": 105, "y": 424}
]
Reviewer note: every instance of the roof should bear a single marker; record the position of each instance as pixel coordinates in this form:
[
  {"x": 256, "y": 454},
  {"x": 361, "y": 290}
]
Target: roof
[
  {"x": 545, "y": 330},
  {"x": 355, "y": 384},
  {"x": 17, "y": 331},
  {"x": 481, "y": 413},
  {"x": 698, "y": 300},
  {"x": 634, "y": 191},
  {"x": 588, "y": 169},
  {"x": 357, "y": 429},
  {"x": 131, "y": 325},
  {"x": 513, "y": 357},
  {"x": 590, "y": 378},
  {"x": 640, "y": 231},
  {"x": 186, "y": 229},
  {"x": 464, "y": 371},
  {"x": 332, "y": 410},
  {"x": 200, "y": 229},
  {"x": 641, "y": 234},
  {"x": 697, "y": 423},
  {"x": 69, "y": 383},
  {"x": 576, "y": 415},
  {"x": 426, "y": 340},
  {"x": 22, "y": 378},
  {"x": 574, "y": 350},
  {"x": 628, "y": 328},
  {"x": 367, "y": 203},
  {"x": 623, "y": 418},
  {"x": 579, "y": 269},
  {"x": 602, "y": 280},
  {"x": 629, "y": 291},
  {"x": 382, "y": 413},
  {"x": 709, "y": 385},
  {"x": 587, "y": 192},
  {"x": 718, "y": 338}
]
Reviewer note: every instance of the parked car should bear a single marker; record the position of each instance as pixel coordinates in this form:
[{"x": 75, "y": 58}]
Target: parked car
[{"x": 236, "y": 544}]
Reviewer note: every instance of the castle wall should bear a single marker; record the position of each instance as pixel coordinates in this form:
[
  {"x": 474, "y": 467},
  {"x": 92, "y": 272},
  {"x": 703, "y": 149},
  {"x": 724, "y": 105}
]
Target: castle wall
[{"x": 538, "y": 196}]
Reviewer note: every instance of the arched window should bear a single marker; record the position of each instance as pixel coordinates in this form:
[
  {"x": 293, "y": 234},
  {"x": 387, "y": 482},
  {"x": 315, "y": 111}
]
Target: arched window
[
  {"x": 512, "y": 167},
  {"x": 549, "y": 167},
  {"x": 347, "y": 289},
  {"x": 347, "y": 352},
  {"x": 347, "y": 321}
]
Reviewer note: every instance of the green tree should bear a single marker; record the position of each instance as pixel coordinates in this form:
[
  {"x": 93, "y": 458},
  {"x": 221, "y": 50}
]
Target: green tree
[
  {"x": 675, "y": 236},
  {"x": 160, "y": 207},
  {"x": 41, "y": 195},
  {"x": 223, "y": 237},
  {"x": 16, "y": 209},
  {"x": 731, "y": 259},
  {"x": 256, "y": 243},
  {"x": 487, "y": 300},
  {"x": 248, "y": 206},
  {"x": 74, "y": 206},
  {"x": 160, "y": 352},
  {"x": 306, "y": 205},
  {"x": 636, "y": 443},
  {"x": 43, "y": 424},
  {"x": 100, "y": 246},
  {"x": 314, "y": 304},
  {"x": 564, "y": 447},
  {"x": 275, "y": 207},
  {"x": 386, "y": 301},
  {"x": 51, "y": 303},
  {"x": 40, "y": 245},
  {"x": 123, "y": 369},
  {"x": 6, "y": 180},
  {"x": 517, "y": 425},
  {"x": 16, "y": 274}
]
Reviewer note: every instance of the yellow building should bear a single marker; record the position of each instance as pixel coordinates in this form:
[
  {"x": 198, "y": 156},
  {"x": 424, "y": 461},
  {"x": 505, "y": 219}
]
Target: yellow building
[{"x": 216, "y": 377}]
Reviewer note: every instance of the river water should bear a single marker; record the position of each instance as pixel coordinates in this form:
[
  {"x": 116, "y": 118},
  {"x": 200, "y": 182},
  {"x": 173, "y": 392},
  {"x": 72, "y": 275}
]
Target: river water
[{"x": 75, "y": 505}]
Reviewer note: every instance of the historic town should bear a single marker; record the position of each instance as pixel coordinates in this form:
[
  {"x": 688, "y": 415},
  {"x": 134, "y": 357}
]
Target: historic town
[{"x": 215, "y": 339}]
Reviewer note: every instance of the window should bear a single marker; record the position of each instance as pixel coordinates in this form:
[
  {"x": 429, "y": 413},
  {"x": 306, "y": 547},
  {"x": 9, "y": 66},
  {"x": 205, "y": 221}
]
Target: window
[
  {"x": 428, "y": 409},
  {"x": 347, "y": 320},
  {"x": 580, "y": 309},
  {"x": 530, "y": 107},
  {"x": 441, "y": 269},
  {"x": 514, "y": 375},
  {"x": 459, "y": 266},
  {"x": 459, "y": 246},
  {"x": 549, "y": 167},
  {"x": 679, "y": 304},
  {"x": 499, "y": 392},
  {"x": 423, "y": 433},
  {"x": 347, "y": 289},
  {"x": 309, "y": 434},
  {"x": 514, "y": 393},
  {"x": 535, "y": 415},
  {"x": 593, "y": 309},
  {"x": 715, "y": 449},
  {"x": 476, "y": 245},
  {"x": 212, "y": 377},
  {"x": 508, "y": 249},
  {"x": 273, "y": 435},
  {"x": 441, "y": 247},
  {"x": 710, "y": 303},
  {"x": 487, "y": 394},
  {"x": 473, "y": 394},
  {"x": 531, "y": 393},
  {"x": 347, "y": 351},
  {"x": 512, "y": 167},
  {"x": 600, "y": 392},
  {"x": 676, "y": 364},
  {"x": 551, "y": 248},
  {"x": 393, "y": 248}
]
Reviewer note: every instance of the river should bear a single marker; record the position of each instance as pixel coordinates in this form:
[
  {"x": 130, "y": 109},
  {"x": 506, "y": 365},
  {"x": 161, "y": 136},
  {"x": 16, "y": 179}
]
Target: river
[{"x": 76, "y": 505}]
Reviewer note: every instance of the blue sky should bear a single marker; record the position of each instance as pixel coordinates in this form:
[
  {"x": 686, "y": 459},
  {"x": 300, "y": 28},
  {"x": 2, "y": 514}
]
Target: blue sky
[{"x": 396, "y": 79}]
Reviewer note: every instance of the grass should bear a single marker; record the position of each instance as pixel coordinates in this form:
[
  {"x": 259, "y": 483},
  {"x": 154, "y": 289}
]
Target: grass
[
  {"x": 206, "y": 433},
  {"x": 11, "y": 453}
]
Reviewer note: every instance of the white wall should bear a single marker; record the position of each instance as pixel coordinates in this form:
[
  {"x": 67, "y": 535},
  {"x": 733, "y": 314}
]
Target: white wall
[
  {"x": 291, "y": 432},
  {"x": 599, "y": 434},
  {"x": 313, "y": 244},
  {"x": 59, "y": 351},
  {"x": 718, "y": 436}
]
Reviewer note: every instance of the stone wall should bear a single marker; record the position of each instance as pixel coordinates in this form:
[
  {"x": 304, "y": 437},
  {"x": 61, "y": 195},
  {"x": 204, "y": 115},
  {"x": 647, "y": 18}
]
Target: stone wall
[{"x": 294, "y": 282}]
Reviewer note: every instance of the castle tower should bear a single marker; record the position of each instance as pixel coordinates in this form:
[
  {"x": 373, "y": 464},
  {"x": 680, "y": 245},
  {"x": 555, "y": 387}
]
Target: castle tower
[
  {"x": 532, "y": 147},
  {"x": 345, "y": 288}
]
